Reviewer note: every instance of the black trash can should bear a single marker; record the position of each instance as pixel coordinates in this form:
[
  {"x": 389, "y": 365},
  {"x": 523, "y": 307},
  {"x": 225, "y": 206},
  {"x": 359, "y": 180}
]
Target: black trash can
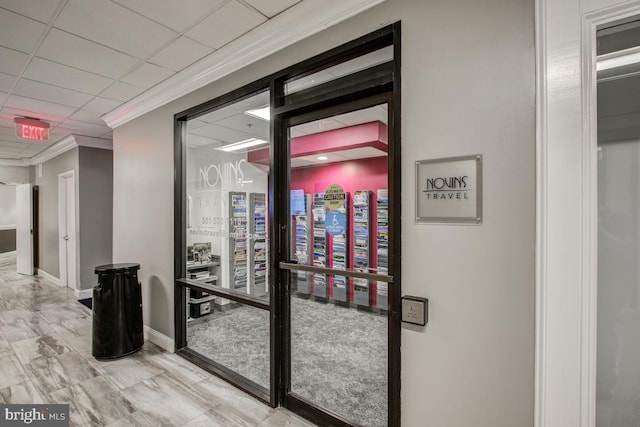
[{"x": 117, "y": 311}]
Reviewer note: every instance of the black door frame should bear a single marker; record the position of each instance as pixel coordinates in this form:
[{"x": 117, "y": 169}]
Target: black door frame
[
  {"x": 379, "y": 82},
  {"x": 282, "y": 122}
]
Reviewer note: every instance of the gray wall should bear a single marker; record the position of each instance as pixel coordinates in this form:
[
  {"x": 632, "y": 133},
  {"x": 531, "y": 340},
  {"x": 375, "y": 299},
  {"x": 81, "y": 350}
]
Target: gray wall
[
  {"x": 467, "y": 88},
  {"x": 48, "y": 206},
  {"x": 95, "y": 182},
  {"x": 7, "y": 206}
]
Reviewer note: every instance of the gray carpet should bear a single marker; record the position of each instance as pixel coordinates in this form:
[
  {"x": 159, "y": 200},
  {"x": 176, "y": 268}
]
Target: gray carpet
[{"x": 339, "y": 354}]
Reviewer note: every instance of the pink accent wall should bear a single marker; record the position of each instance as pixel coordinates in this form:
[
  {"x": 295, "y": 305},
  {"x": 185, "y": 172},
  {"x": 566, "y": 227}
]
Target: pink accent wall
[{"x": 364, "y": 174}]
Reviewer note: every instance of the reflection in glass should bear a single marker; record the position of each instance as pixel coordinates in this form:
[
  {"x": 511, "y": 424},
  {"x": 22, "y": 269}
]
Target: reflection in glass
[
  {"x": 227, "y": 175},
  {"x": 227, "y": 186},
  {"x": 351, "y": 66},
  {"x": 339, "y": 357},
  {"x": 618, "y": 359},
  {"x": 237, "y": 338}
]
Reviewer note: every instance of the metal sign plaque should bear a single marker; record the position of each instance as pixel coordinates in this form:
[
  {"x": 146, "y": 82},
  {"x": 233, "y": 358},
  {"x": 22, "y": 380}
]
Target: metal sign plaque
[{"x": 449, "y": 190}]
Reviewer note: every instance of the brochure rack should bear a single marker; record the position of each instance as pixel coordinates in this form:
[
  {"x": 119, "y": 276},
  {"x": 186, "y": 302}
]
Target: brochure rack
[
  {"x": 340, "y": 257},
  {"x": 302, "y": 239},
  {"x": 362, "y": 245},
  {"x": 258, "y": 244},
  {"x": 238, "y": 239},
  {"x": 382, "y": 237},
  {"x": 320, "y": 288}
]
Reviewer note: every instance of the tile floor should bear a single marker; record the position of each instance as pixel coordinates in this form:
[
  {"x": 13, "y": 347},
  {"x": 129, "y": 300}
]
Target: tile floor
[{"x": 45, "y": 357}]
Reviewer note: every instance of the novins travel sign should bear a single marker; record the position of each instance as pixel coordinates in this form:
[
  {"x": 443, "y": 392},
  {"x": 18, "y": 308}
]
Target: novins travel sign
[{"x": 449, "y": 190}]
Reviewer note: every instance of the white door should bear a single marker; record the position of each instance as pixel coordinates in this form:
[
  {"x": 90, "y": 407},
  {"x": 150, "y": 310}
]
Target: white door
[
  {"x": 24, "y": 229},
  {"x": 67, "y": 228}
]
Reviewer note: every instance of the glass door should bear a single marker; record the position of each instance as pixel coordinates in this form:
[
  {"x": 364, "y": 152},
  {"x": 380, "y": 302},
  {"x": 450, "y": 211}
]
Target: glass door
[{"x": 337, "y": 277}]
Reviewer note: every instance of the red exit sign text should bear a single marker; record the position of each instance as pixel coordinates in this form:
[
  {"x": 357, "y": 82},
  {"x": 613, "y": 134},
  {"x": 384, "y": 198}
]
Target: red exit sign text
[{"x": 32, "y": 129}]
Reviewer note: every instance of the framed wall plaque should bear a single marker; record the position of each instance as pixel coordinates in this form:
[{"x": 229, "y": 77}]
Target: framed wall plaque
[{"x": 449, "y": 190}]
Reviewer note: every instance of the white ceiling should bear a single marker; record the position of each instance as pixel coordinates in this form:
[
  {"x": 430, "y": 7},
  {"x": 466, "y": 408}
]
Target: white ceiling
[{"x": 69, "y": 62}]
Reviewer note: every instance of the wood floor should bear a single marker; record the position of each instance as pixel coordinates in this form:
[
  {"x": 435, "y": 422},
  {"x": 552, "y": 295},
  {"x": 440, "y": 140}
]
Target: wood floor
[{"x": 45, "y": 357}]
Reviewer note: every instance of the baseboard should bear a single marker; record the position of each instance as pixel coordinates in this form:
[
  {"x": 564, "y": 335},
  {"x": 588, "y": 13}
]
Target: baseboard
[
  {"x": 159, "y": 339},
  {"x": 83, "y": 293},
  {"x": 49, "y": 277}
]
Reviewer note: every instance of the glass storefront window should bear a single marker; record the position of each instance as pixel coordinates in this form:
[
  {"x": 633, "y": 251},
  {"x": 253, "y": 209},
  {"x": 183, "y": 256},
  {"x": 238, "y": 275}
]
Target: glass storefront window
[
  {"x": 360, "y": 63},
  {"x": 227, "y": 242}
]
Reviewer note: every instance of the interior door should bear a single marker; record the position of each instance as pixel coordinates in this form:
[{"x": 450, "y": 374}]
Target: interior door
[
  {"x": 24, "y": 229},
  {"x": 67, "y": 227},
  {"x": 338, "y": 368}
]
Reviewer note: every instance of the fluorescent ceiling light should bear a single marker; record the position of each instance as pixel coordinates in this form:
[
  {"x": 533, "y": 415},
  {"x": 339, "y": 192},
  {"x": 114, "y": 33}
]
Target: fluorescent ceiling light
[
  {"x": 247, "y": 143},
  {"x": 618, "y": 59},
  {"x": 263, "y": 113},
  {"x": 322, "y": 158}
]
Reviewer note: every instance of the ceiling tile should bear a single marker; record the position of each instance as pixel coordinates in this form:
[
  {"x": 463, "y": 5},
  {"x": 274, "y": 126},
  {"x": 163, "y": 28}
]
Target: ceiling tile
[
  {"x": 112, "y": 25},
  {"x": 220, "y": 133},
  {"x": 225, "y": 25},
  {"x": 244, "y": 123},
  {"x": 84, "y": 116},
  {"x": 18, "y": 32},
  {"x": 12, "y": 61},
  {"x": 18, "y": 112},
  {"x": 34, "y": 9},
  {"x": 46, "y": 71},
  {"x": 272, "y": 7},
  {"x": 122, "y": 91},
  {"x": 147, "y": 75},
  {"x": 6, "y": 82},
  {"x": 38, "y": 106},
  {"x": 46, "y": 92},
  {"x": 77, "y": 52},
  {"x": 100, "y": 106},
  {"x": 173, "y": 13},
  {"x": 180, "y": 54}
]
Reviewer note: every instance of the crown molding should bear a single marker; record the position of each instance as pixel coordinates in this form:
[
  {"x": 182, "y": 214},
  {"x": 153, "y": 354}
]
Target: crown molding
[
  {"x": 16, "y": 162},
  {"x": 62, "y": 146},
  {"x": 69, "y": 143},
  {"x": 91, "y": 142},
  {"x": 297, "y": 23}
]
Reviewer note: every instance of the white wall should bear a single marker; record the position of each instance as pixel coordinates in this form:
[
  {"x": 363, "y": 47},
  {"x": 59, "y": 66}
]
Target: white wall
[
  {"x": 566, "y": 289},
  {"x": 468, "y": 88},
  {"x": 14, "y": 174}
]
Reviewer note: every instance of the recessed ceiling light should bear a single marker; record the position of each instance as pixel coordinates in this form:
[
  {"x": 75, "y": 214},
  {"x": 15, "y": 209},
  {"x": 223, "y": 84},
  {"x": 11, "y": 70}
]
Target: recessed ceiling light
[
  {"x": 322, "y": 158},
  {"x": 241, "y": 145},
  {"x": 263, "y": 113}
]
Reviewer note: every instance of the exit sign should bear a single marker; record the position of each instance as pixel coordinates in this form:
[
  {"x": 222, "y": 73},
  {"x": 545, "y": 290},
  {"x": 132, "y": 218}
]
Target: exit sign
[{"x": 32, "y": 129}]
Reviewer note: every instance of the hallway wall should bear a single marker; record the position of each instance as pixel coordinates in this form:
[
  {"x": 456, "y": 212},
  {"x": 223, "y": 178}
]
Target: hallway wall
[
  {"x": 48, "y": 220},
  {"x": 468, "y": 88},
  {"x": 94, "y": 191}
]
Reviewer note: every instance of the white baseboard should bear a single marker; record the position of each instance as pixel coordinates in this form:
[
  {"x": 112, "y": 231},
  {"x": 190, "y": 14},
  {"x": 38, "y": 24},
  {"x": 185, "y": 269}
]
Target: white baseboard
[
  {"x": 49, "y": 277},
  {"x": 159, "y": 339},
  {"x": 83, "y": 293}
]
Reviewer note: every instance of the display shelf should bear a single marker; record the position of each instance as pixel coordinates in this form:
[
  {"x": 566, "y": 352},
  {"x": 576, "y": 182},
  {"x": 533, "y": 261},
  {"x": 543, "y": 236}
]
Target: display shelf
[
  {"x": 320, "y": 288},
  {"x": 382, "y": 252},
  {"x": 340, "y": 258},
  {"x": 238, "y": 240},
  {"x": 258, "y": 244},
  {"x": 302, "y": 237},
  {"x": 362, "y": 246}
]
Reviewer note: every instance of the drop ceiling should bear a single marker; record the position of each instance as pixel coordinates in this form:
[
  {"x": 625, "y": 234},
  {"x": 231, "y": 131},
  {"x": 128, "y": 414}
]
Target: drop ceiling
[{"x": 69, "y": 62}]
